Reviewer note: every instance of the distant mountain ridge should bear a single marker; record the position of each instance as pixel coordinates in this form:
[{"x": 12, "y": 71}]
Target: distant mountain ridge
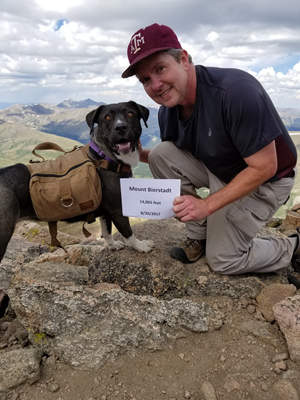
[
  {"x": 79, "y": 104},
  {"x": 290, "y": 118},
  {"x": 18, "y": 141},
  {"x": 67, "y": 120},
  {"x": 22, "y": 127}
]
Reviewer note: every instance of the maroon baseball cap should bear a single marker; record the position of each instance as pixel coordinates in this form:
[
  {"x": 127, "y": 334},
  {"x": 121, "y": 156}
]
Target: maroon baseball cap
[{"x": 147, "y": 41}]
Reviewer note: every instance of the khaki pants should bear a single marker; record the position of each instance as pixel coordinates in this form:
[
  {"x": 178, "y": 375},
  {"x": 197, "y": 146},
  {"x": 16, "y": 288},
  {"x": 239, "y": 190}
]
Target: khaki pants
[{"x": 231, "y": 243}]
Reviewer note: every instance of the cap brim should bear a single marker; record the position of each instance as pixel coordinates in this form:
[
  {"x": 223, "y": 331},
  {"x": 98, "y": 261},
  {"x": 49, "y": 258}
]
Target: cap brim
[{"x": 130, "y": 70}]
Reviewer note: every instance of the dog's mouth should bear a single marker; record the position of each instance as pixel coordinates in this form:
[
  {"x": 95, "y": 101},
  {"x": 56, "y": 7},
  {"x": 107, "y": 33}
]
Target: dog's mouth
[{"x": 124, "y": 147}]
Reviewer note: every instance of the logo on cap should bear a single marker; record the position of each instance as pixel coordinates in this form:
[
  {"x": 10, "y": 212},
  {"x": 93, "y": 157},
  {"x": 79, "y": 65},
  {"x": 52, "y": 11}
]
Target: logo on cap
[{"x": 136, "y": 41}]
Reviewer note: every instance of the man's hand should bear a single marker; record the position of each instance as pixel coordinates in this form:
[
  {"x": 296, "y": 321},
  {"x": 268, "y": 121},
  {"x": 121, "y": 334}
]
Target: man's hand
[{"x": 189, "y": 208}]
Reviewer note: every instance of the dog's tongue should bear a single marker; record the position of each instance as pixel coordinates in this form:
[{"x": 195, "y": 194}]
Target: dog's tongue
[{"x": 123, "y": 146}]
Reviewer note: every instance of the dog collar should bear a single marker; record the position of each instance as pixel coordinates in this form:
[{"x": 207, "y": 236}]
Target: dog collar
[
  {"x": 108, "y": 163},
  {"x": 99, "y": 151}
]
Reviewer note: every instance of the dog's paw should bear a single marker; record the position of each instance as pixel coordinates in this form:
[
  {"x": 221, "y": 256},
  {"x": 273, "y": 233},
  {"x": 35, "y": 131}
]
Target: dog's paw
[
  {"x": 116, "y": 245},
  {"x": 143, "y": 246}
]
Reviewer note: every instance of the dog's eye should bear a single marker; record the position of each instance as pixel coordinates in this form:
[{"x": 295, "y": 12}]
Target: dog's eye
[
  {"x": 130, "y": 114},
  {"x": 107, "y": 117}
]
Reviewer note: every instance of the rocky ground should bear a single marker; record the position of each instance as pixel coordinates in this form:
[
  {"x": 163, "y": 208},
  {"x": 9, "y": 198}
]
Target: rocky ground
[{"x": 246, "y": 357}]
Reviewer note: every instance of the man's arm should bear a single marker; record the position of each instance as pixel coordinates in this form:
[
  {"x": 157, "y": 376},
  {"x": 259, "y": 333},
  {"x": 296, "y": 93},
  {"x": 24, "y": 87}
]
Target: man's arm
[
  {"x": 143, "y": 153},
  {"x": 261, "y": 166}
]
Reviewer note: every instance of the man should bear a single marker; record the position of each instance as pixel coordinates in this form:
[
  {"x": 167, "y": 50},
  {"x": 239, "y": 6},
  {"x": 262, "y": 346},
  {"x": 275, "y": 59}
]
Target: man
[{"x": 219, "y": 130}]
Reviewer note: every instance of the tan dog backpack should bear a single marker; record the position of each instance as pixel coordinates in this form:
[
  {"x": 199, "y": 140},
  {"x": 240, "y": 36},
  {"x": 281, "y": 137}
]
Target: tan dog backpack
[{"x": 65, "y": 187}]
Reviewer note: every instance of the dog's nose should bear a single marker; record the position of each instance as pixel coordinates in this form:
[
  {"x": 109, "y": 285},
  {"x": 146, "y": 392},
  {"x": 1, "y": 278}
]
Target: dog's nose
[{"x": 120, "y": 127}]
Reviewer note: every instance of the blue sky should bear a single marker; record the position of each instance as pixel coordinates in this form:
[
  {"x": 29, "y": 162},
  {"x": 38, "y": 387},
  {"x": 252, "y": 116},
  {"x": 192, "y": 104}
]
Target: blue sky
[{"x": 52, "y": 50}]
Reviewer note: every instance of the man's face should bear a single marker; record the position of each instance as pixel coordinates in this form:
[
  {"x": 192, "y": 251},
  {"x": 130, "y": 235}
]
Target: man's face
[{"x": 164, "y": 79}]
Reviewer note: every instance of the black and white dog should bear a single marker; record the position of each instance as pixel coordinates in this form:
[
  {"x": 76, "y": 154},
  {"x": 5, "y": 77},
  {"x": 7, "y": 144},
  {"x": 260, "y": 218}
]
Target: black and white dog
[{"x": 115, "y": 138}]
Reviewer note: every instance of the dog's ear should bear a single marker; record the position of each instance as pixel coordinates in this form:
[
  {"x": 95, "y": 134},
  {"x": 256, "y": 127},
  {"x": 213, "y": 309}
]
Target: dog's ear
[
  {"x": 143, "y": 111},
  {"x": 92, "y": 117}
]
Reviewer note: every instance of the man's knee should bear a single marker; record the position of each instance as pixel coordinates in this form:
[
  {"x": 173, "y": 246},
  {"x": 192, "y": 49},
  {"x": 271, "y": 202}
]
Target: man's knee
[
  {"x": 222, "y": 264},
  {"x": 160, "y": 160},
  {"x": 160, "y": 151}
]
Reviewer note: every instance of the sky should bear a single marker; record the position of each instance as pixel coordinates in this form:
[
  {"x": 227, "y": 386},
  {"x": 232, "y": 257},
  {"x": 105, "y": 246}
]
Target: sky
[{"x": 54, "y": 50}]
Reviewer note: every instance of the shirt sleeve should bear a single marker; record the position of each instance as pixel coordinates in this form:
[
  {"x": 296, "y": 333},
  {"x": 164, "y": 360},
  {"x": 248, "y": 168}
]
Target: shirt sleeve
[{"x": 248, "y": 115}]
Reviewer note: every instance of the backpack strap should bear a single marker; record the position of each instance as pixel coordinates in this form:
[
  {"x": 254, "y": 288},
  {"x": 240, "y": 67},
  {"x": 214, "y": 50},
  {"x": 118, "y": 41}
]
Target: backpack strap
[
  {"x": 90, "y": 218},
  {"x": 49, "y": 146},
  {"x": 53, "y": 233},
  {"x": 53, "y": 230}
]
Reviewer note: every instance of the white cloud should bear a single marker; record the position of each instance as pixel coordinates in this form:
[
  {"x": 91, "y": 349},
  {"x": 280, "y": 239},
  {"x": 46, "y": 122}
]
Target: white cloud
[
  {"x": 212, "y": 36},
  {"x": 281, "y": 86},
  {"x": 51, "y": 50},
  {"x": 58, "y": 5}
]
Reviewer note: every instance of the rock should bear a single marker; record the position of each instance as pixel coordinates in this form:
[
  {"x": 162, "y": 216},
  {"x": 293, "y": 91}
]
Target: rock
[
  {"x": 37, "y": 233},
  {"x": 7, "y": 270},
  {"x": 53, "y": 387},
  {"x": 285, "y": 390},
  {"x": 251, "y": 309},
  {"x": 158, "y": 274},
  {"x": 280, "y": 357},
  {"x": 22, "y": 250},
  {"x": 77, "y": 254},
  {"x": 87, "y": 326},
  {"x": 15, "y": 396},
  {"x": 18, "y": 367},
  {"x": 230, "y": 385},
  {"x": 56, "y": 273},
  {"x": 270, "y": 295},
  {"x": 10, "y": 331},
  {"x": 258, "y": 315},
  {"x": 296, "y": 203},
  {"x": 292, "y": 220},
  {"x": 263, "y": 330},
  {"x": 89, "y": 306},
  {"x": 286, "y": 314},
  {"x": 18, "y": 252},
  {"x": 291, "y": 375},
  {"x": 208, "y": 391},
  {"x": 281, "y": 365}
]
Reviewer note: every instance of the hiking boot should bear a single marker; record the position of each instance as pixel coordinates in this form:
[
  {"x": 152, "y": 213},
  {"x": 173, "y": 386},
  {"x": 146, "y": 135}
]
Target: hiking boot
[
  {"x": 295, "y": 261},
  {"x": 190, "y": 251},
  {"x": 294, "y": 281},
  {"x": 294, "y": 266},
  {"x": 297, "y": 236}
]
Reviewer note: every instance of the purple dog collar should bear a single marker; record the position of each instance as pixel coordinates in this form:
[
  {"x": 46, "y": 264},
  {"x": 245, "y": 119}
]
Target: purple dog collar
[
  {"x": 99, "y": 151},
  {"x": 102, "y": 155}
]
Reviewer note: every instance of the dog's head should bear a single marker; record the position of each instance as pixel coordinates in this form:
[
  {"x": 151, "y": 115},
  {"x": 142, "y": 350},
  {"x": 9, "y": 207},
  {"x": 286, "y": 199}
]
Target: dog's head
[{"x": 119, "y": 127}]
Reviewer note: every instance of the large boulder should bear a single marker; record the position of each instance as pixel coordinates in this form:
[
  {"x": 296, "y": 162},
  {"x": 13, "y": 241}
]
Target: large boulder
[{"x": 87, "y": 325}]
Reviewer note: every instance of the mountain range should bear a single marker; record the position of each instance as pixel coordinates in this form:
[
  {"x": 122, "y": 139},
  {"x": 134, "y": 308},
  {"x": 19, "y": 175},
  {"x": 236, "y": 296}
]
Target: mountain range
[
  {"x": 65, "y": 119},
  {"x": 24, "y": 126}
]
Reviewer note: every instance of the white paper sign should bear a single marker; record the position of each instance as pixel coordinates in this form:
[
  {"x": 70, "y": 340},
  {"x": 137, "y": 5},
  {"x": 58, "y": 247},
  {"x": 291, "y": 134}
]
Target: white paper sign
[{"x": 149, "y": 198}]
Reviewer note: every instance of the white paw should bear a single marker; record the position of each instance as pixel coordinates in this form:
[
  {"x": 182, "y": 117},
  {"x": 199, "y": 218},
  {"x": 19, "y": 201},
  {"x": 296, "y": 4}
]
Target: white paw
[
  {"x": 143, "y": 246},
  {"x": 116, "y": 245}
]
